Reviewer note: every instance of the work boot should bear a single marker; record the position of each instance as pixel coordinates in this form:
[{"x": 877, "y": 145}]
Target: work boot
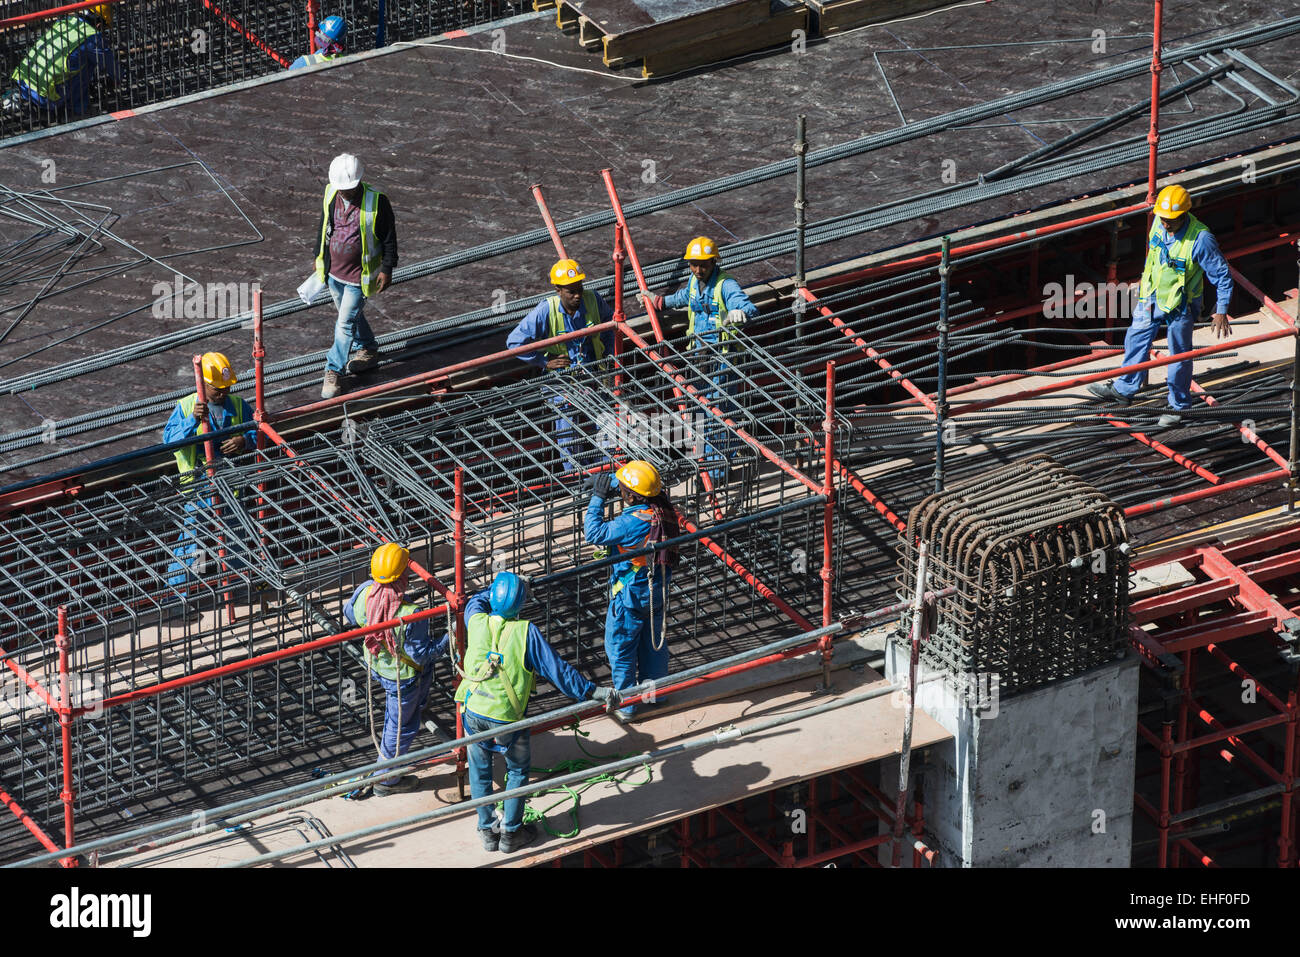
[
  {"x": 490, "y": 838},
  {"x": 1171, "y": 419},
  {"x": 403, "y": 785},
  {"x": 513, "y": 840},
  {"x": 363, "y": 360},
  {"x": 332, "y": 385},
  {"x": 1108, "y": 392}
]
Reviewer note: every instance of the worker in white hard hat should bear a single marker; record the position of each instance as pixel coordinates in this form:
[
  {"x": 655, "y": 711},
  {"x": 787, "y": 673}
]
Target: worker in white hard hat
[
  {"x": 63, "y": 67},
  {"x": 1181, "y": 255},
  {"x": 571, "y": 308},
  {"x": 356, "y": 252}
]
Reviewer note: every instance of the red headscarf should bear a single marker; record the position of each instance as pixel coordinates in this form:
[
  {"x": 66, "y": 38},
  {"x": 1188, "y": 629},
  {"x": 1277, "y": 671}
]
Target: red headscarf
[{"x": 382, "y": 604}]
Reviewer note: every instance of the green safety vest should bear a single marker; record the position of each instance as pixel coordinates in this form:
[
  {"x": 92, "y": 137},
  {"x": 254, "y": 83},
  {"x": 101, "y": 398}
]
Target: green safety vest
[
  {"x": 385, "y": 664},
  {"x": 46, "y": 64},
  {"x": 497, "y": 683},
  {"x": 314, "y": 58},
  {"x": 724, "y": 332},
  {"x": 372, "y": 256},
  {"x": 187, "y": 458},
  {"x": 590, "y": 310},
  {"x": 1174, "y": 279}
]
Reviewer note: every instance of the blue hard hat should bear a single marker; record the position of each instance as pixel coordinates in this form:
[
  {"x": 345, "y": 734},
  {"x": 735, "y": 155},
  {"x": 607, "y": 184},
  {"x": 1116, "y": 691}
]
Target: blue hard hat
[
  {"x": 333, "y": 28},
  {"x": 508, "y": 594}
]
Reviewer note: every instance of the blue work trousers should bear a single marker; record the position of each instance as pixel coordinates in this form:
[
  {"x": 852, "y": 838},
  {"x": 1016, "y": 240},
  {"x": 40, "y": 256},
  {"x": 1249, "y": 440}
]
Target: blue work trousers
[
  {"x": 517, "y": 749},
  {"x": 197, "y": 553},
  {"x": 351, "y": 330},
  {"x": 1137, "y": 348},
  {"x": 415, "y": 691},
  {"x": 631, "y": 634}
]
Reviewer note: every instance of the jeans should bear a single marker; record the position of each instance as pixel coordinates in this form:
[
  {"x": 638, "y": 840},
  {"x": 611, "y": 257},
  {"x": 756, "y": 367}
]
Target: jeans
[
  {"x": 1137, "y": 348},
  {"x": 415, "y": 691},
  {"x": 631, "y": 633},
  {"x": 517, "y": 749},
  {"x": 351, "y": 331}
]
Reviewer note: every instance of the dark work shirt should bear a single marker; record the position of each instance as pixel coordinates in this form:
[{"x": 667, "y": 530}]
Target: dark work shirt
[{"x": 345, "y": 243}]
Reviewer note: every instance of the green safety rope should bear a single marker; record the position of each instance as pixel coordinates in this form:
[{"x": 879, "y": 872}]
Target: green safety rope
[{"x": 574, "y": 794}]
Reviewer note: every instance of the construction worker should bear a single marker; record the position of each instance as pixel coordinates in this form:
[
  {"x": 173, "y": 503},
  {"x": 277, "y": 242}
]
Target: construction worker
[
  {"x": 570, "y": 309},
  {"x": 638, "y": 587},
  {"x": 401, "y": 658},
  {"x": 62, "y": 68},
  {"x": 356, "y": 252},
  {"x": 328, "y": 43},
  {"x": 1181, "y": 254},
  {"x": 716, "y": 307},
  {"x": 217, "y": 410},
  {"x": 504, "y": 654}
]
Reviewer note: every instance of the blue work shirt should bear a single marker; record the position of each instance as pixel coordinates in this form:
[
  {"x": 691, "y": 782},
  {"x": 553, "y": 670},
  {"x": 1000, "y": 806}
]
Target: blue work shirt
[
  {"x": 538, "y": 656},
  {"x": 628, "y": 531},
  {"x": 92, "y": 58},
  {"x": 537, "y": 326},
  {"x": 1205, "y": 253},
  {"x": 418, "y": 644},
  {"x": 706, "y": 322},
  {"x": 182, "y": 426}
]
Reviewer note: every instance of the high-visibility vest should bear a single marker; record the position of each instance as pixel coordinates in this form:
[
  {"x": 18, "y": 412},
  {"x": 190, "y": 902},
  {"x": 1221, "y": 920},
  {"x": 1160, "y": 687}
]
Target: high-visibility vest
[
  {"x": 372, "y": 256},
  {"x": 694, "y": 292},
  {"x": 46, "y": 65},
  {"x": 592, "y": 313},
  {"x": 187, "y": 458},
  {"x": 1172, "y": 276},
  {"x": 397, "y": 667},
  {"x": 311, "y": 59},
  {"x": 497, "y": 683}
]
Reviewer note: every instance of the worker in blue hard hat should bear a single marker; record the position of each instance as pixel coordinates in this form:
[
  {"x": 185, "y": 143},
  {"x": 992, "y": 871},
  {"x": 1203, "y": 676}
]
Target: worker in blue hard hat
[
  {"x": 61, "y": 70},
  {"x": 401, "y": 658},
  {"x": 504, "y": 654},
  {"x": 638, "y": 587},
  {"x": 328, "y": 41}
]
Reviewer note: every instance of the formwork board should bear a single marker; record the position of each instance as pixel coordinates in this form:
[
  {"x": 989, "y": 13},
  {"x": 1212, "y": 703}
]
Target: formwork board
[
  {"x": 778, "y": 30},
  {"x": 633, "y": 28},
  {"x": 847, "y": 14}
]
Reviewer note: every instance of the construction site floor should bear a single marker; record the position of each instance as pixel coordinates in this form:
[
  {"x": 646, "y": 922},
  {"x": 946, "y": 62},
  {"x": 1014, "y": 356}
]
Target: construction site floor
[{"x": 679, "y": 786}]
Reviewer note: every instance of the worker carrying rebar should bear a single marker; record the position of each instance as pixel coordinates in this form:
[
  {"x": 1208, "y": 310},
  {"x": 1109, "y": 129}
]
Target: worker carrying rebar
[
  {"x": 1181, "y": 254},
  {"x": 504, "y": 654},
  {"x": 635, "y": 620},
  {"x": 571, "y": 309},
  {"x": 356, "y": 253},
  {"x": 328, "y": 38},
  {"x": 400, "y": 658},
  {"x": 214, "y": 411},
  {"x": 63, "y": 67},
  {"x": 716, "y": 308}
]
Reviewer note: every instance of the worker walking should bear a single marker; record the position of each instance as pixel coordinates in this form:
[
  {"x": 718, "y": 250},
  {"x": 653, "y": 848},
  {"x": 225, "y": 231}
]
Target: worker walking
[
  {"x": 62, "y": 68},
  {"x": 571, "y": 308},
  {"x": 635, "y": 620},
  {"x": 329, "y": 43},
  {"x": 1181, "y": 254},
  {"x": 504, "y": 654},
  {"x": 401, "y": 658},
  {"x": 716, "y": 308},
  {"x": 356, "y": 253}
]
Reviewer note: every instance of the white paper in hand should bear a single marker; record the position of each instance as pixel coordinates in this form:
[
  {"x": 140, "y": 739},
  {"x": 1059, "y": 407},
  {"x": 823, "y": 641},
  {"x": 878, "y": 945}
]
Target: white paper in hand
[{"x": 309, "y": 289}]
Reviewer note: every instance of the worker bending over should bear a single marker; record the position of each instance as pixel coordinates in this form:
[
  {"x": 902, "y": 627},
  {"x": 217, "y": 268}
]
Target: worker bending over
[
  {"x": 1181, "y": 253},
  {"x": 329, "y": 43},
  {"x": 571, "y": 308},
  {"x": 401, "y": 658},
  {"x": 504, "y": 654},
  {"x": 638, "y": 587},
  {"x": 62, "y": 67}
]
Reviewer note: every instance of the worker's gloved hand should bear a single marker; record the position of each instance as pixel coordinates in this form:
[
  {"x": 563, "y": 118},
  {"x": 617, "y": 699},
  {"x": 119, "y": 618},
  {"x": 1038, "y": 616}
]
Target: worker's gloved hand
[
  {"x": 605, "y": 696},
  {"x": 654, "y": 300},
  {"x": 602, "y": 485},
  {"x": 736, "y": 317}
]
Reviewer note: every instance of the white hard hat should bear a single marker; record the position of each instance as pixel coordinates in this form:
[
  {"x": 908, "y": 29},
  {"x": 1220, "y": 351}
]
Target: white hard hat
[{"x": 345, "y": 171}]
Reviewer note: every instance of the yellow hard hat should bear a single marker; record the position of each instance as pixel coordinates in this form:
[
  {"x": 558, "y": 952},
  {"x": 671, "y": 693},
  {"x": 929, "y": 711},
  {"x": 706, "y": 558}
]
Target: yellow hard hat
[
  {"x": 640, "y": 477},
  {"x": 217, "y": 370},
  {"x": 1173, "y": 201},
  {"x": 388, "y": 562},
  {"x": 701, "y": 248},
  {"x": 105, "y": 10},
  {"x": 566, "y": 272}
]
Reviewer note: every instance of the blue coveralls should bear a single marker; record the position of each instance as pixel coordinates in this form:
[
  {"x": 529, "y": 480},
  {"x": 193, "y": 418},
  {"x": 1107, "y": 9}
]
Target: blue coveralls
[
  {"x": 420, "y": 648},
  {"x": 89, "y": 61},
  {"x": 515, "y": 747},
  {"x": 1147, "y": 318},
  {"x": 182, "y": 426},
  {"x": 630, "y": 632},
  {"x": 717, "y": 439},
  {"x": 535, "y": 327}
]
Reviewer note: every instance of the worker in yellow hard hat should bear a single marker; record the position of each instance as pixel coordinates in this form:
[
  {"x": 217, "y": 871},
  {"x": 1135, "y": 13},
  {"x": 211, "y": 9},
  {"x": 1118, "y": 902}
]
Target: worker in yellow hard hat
[
  {"x": 1181, "y": 254},
  {"x": 62, "y": 70},
  {"x": 401, "y": 658},
  {"x": 215, "y": 411},
  {"x": 572, "y": 308},
  {"x": 635, "y": 620}
]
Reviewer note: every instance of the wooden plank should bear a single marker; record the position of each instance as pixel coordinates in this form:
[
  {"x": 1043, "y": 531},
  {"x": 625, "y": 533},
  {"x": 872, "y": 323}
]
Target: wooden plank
[
  {"x": 540, "y": 5},
  {"x": 777, "y": 30},
  {"x": 847, "y": 14},
  {"x": 651, "y": 38},
  {"x": 566, "y": 18},
  {"x": 590, "y": 35}
]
